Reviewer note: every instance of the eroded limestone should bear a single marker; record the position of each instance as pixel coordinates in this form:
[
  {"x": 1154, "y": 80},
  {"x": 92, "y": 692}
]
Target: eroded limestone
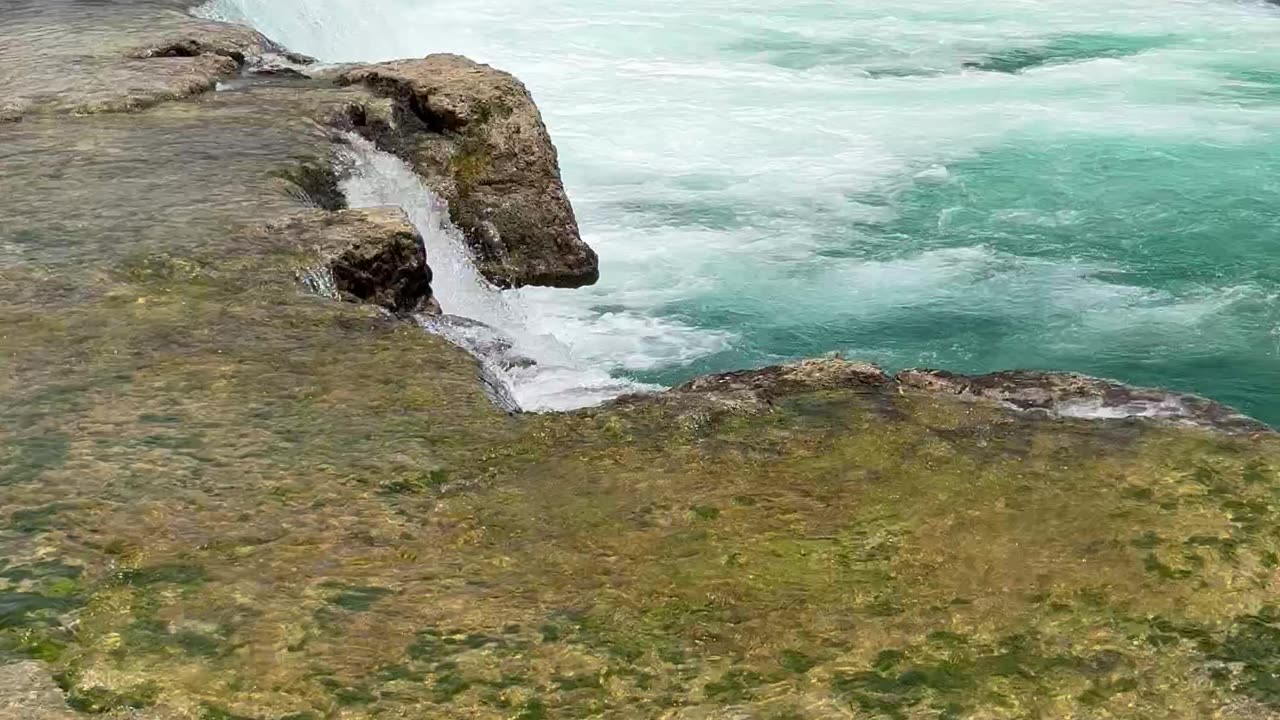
[
  {"x": 474, "y": 133},
  {"x": 114, "y": 58}
]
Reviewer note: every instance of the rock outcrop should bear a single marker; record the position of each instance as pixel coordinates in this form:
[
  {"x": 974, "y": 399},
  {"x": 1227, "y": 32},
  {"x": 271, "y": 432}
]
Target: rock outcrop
[
  {"x": 1055, "y": 394},
  {"x": 753, "y": 392},
  {"x": 758, "y": 388},
  {"x": 198, "y": 38},
  {"x": 475, "y": 135},
  {"x": 372, "y": 255},
  {"x": 1074, "y": 395},
  {"x": 472, "y": 132}
]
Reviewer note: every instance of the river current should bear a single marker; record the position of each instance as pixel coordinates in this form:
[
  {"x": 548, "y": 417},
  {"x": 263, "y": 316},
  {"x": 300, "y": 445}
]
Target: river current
[{"x": 1090, "y": 185}]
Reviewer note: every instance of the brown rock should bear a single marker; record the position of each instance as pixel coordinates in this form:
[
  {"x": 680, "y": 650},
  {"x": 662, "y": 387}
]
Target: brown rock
[
  {"x": 1074, "y": 395},
  {"x": 372, "y": 255},
  {"x": 791, "y": 378},
  {"x": 476, "y": 136},
  {"x": 206, "y": 37},
  {"x": 701, "y": 401}
]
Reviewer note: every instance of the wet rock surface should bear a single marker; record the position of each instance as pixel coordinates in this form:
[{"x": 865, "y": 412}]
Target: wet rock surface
[
  {"x": 792, "y": 378},
  {"x": 474, "y": 133},
  {"x": 755, "y": 391},
  {"x": 471, "y": 130},
  {"x": 1073, "y": 395},
  {"x": 371, "y": 255},
  {"x": 1060, "y": 395},
  {"x": 113, "y": 57}
]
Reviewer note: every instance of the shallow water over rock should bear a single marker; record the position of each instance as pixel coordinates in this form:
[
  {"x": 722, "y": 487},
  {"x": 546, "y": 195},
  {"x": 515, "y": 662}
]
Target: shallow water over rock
[{"x": 224, "y": 496}]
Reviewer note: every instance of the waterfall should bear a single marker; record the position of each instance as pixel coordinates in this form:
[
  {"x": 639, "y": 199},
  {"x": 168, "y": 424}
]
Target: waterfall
[{"x": 531, "y": 368}]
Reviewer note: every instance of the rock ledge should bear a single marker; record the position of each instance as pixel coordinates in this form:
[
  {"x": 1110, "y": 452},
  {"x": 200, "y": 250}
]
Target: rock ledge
[{"x": 476, "y": 137}]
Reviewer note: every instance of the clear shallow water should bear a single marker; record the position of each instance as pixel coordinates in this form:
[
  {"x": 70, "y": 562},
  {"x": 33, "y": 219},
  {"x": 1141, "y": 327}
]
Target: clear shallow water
[{"x": 1088, "y": 185}]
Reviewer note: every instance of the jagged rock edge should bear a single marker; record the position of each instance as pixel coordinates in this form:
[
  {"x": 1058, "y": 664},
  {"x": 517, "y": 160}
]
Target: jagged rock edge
[{"x": 1058, "y": 395}]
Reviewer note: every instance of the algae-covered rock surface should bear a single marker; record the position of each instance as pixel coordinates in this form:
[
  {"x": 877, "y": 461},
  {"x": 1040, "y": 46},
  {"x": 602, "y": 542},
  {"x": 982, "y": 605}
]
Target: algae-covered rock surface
[{"x": 226, "y": 496}]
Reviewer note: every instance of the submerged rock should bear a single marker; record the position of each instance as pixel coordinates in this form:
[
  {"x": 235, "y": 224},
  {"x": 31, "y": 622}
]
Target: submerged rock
[
  {"x": 793, "y": 378},
  {"x": 168, "y": 55},
  {"x": 484, "y": 341},
  {"x": 373, "y": 255},
  {"x": 474, "y": 133},
  {"x": 494, "y": 351},
  {"x": 1074, "y": 395},
  {"x": 28, "y": 693}
]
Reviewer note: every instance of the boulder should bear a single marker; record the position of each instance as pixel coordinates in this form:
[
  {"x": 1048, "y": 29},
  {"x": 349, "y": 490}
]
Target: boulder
[
  {"x": 371, "y": 255},
  {"x": 476, "y": 137}
]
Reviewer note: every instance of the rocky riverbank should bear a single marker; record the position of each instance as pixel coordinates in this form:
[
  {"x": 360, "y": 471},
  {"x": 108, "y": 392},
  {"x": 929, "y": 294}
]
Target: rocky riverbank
[{"x": 226, "y": 495}]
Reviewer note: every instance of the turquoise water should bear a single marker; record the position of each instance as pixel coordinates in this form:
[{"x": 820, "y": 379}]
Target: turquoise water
[{"x": 1085, "y": 186}]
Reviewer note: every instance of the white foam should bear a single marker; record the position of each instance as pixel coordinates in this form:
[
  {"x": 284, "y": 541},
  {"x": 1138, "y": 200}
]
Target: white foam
[
  {"x": 1166, "y": 408},
  {"x": 536, "y": 350}
]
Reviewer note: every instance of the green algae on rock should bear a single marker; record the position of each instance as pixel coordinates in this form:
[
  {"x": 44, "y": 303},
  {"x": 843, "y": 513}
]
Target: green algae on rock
[{"x": 223, "y": 497}]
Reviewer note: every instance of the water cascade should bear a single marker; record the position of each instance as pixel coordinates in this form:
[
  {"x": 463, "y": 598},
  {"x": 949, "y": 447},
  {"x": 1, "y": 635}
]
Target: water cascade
[{"x": 1087, "y": 186}]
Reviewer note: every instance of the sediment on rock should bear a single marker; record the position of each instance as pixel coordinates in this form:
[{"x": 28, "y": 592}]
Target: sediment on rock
[{"x": 475, "y": 135}]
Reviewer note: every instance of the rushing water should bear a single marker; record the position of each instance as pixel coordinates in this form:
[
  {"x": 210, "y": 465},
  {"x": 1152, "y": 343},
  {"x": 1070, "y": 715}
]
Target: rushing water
[
  {"x": 1088, "y": 184},
  {"x": 529, "y": 366}
]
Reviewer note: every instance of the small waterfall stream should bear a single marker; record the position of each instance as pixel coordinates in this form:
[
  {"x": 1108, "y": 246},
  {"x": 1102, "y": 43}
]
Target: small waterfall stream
[{"x": 527, "y": 368}]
